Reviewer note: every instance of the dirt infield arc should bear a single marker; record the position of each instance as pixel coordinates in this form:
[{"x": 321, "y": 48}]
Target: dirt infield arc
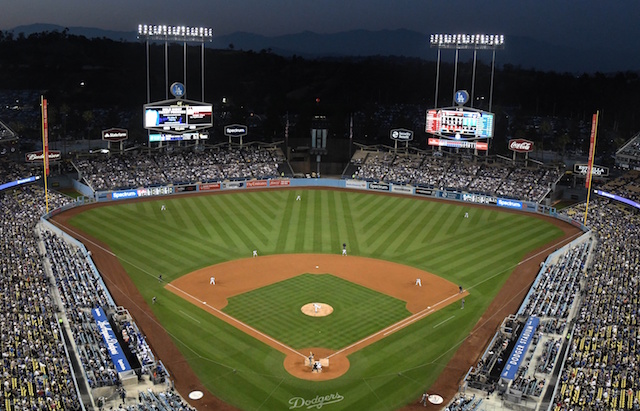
[{"x": 239, "y": 276}]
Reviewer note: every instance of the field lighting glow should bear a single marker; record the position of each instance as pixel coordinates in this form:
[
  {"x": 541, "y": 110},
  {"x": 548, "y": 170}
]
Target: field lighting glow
[{"x": 463, "y": 41}]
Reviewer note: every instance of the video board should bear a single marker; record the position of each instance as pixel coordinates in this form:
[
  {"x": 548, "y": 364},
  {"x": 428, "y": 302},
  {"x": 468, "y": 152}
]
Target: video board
[
  {"x": 463, "y": 124},
  {"x": 177, "y": 116}
]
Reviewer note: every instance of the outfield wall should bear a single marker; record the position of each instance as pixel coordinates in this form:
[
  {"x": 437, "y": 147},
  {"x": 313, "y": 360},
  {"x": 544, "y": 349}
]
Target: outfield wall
[{"x": 374, "y": 186}]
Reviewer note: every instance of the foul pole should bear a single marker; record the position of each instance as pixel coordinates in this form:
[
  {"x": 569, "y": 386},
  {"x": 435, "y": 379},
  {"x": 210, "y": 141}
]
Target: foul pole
[
  {"x": 45, "y": 150},
  {"x": 592, "y": 152}
]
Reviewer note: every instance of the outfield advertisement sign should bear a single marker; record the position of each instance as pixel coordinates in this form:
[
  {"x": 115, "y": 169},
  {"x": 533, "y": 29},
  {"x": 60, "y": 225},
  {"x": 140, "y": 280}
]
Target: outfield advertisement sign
[
  {"x": 233, "y": 185},
  {"x": 123, "y": 195},
  {"x": 279, "y": 183},
  {"x": 184, "y": 189},
  {"x": 109, "y": 337},
  {"x": 379, "y": 186},
  {"x": 257, "y": 183},
  {"x": 520, "y": 349},
  {"x": 356, "y": 184},
  {"x": 209, "y": 187},
  {"x": 479, "y": 199},
  {"x": 155, "y": 191},
  {"x": 449, "y": 195},
  {"x": 424, "y": 191},
  {"x": 402, "y": 189},
  {"x": 503, "y": 202}
]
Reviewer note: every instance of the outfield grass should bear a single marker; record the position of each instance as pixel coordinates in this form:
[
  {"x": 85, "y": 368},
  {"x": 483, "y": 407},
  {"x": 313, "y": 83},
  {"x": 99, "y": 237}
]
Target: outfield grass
[
  {"x": 478, "y": 252},
  {"x": 358, "y": 311}
]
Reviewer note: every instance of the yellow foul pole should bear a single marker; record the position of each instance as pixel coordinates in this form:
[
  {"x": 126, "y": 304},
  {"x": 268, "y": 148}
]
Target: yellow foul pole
[
  {"x": 45, "y": 150},
  {"x": 592, "y": 154}
]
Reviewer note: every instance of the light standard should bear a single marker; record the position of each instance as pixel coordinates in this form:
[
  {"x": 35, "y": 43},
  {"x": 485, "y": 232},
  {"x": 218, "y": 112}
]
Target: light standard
[{"x": 473, "y": 42}]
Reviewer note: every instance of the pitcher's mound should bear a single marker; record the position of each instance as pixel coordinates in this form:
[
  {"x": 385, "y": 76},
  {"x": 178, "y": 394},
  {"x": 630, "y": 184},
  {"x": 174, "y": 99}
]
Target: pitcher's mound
[{"x": 316, "y": 309}]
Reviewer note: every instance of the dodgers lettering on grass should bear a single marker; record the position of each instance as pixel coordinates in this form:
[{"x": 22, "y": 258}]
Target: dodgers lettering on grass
[{"x": 318, "y": 402}]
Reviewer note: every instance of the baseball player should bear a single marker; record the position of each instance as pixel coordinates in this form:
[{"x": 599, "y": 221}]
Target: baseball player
[
  {"x": 418, "y": 282},
  {"x": 163, "y": 208},
  {"x": 344, "y": 248},
  {"x": 298, "y": 198},
  {"x": 255, "y": 253},
  {"x": 212, "y": 281},
  {"x": 316, "y": 307}
]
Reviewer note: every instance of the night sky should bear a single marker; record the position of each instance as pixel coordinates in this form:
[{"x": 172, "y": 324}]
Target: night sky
[{"x": 610, "y": 24}]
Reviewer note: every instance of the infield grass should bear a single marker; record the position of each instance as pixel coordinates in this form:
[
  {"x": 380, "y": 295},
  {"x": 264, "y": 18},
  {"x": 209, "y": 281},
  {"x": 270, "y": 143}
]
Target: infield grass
[
  {"x": 478, "y": 252},
  {"x": 358, "y": 311}
]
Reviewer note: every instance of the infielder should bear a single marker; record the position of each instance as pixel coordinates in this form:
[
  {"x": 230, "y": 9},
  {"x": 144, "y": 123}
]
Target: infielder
[
  {"x": 418, "y": 282},
  {"x": 212, "y": 281},
  {"x": 255, "y": 253}
]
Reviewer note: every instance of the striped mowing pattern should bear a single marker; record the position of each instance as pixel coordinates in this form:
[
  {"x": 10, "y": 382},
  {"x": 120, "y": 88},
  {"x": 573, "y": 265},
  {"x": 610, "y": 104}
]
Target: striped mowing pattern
[
  {"x": 478, "y": 252},
  {"x": 275, "y": 310}
]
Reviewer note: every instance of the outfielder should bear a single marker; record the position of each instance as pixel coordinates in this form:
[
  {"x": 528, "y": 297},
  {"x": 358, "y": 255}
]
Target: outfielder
[{"x": 255, "y": 253}]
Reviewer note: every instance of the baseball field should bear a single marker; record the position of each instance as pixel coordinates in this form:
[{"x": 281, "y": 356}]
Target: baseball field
[{"x": 246, "y": 338}]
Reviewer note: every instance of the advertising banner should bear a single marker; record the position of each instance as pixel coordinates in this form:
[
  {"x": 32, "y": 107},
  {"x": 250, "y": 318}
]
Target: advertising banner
[
  {"x": 479, "y": 199},
  {"x": 183, "y": 189},
  {"x": 592, "y": 149},
  {"x": 113, "y": 346},
  {"x": 520, "y": 349},
  {"x": 278, "y": 182},
  {"x": 122, "y": 195},
  {"x": 449, "y": 195},
  {"x": 209, "y": 186},
  {"x": 402, "y": 189},
  {"x": 424, "y": 191},
  {"x": 155, "y": 191},
  {"x": 257, "y": 183},
  {"x": 356, "y": 184},
  {"x": 233, "y": 185},
  {"x": 379, "y": 186},
  {"x": 503, "y": 202}
]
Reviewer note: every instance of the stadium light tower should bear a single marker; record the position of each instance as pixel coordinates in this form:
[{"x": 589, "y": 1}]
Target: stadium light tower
[
  {"x": 185, "y": 34},
  {"x": 473, "y": 42}
]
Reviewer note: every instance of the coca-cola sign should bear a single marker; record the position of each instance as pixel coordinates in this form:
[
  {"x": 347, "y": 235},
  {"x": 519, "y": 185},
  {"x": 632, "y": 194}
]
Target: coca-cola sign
[
  {"x": 54, "y": 155},
  {"x": 521, "y": 145}
]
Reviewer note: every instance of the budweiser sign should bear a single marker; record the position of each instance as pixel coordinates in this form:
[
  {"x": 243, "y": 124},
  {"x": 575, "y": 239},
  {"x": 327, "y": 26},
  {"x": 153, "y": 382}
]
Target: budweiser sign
[
  {"x": 54, "y": 155},
  {"x": 521, "y": 145}
]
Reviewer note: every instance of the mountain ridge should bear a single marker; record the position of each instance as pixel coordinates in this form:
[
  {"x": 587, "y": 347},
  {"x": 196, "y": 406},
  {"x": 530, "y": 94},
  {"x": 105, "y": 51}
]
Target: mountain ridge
[{"x": 519, "y": 51}]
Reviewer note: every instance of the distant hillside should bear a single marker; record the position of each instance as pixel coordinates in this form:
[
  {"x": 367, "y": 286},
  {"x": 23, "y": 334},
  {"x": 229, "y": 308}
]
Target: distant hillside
[{"x": 519, "y": 51}]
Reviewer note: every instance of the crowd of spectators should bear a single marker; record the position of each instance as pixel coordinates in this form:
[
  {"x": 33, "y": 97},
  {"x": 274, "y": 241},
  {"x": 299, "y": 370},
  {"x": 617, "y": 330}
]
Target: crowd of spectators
[
  {"x": 602, "y": 368},
  {"x": 36, "y": 374},
  {"x": 104, "y": 172},
  {"x": 456, "y": 174},
  {"x": 49, "y": 287},
  {"x": 552, "y": 299}
]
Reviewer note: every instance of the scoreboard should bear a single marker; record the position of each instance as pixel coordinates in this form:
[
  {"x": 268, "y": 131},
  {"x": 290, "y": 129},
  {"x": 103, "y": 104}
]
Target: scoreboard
[
  {"x": 463, "y": 124},
  {"x": 178, "y": 116}
]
